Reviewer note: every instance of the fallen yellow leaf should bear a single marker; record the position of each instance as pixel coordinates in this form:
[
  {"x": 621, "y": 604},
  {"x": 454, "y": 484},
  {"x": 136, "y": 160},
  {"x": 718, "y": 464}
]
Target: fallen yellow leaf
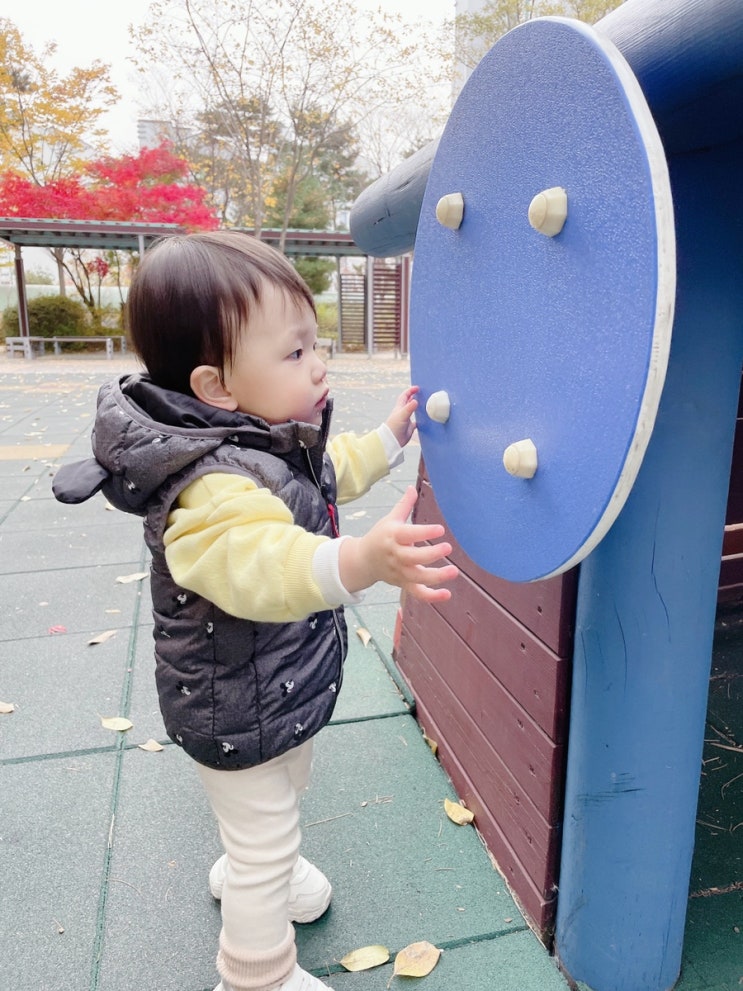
[
  {"x": 136, "y": 577},
  {"x": 6, "y": 707},
  {"x": 102, "y": 637},
  {"x": 416, "y": 960},
  {"x": 365, "y": 958},
  {"x": 458, "y": 813},
  {"x": 117, "y": 723},
  {"x": 432, "y": 744},
  {"x": 151, "y": 746},
  {"x": 363, "y": 635}
]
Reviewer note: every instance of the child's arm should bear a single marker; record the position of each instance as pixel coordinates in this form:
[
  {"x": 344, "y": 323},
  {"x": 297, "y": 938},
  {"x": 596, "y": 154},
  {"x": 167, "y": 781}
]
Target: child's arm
[
  {"x": 359, "y": 462},
  {"x": 390, "y": 552},
  {"x": 236, "y": 544}
]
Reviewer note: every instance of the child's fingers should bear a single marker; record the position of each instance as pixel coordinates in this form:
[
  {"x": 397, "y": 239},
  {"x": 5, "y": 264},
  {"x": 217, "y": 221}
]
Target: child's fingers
[
  {"x": 425, "y": 554},
  {"x": 436, "y": 576},
  {"x": 425, "y": 594},
  {"x": 404, "y": 507},
  {"x": 418, "y": 533}
]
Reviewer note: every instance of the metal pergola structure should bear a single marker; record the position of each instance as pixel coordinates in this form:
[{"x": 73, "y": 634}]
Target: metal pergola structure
[
  {"x": 112, "y": 235},
  {"x": 98, "y": 235}
]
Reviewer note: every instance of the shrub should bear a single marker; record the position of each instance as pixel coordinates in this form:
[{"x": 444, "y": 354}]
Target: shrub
[
  {"x": 327, "y": 319},
  {"x": 49, "y": 316}
]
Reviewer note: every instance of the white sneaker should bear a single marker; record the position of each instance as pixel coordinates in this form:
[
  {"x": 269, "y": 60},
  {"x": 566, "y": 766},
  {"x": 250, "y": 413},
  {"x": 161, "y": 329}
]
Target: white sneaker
[
  {"x": 298, "y": 980},
  {"x": 309, "y": 893}
]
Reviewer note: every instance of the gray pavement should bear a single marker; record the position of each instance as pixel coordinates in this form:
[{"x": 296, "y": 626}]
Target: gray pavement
[{"x": 105, "y": 848}]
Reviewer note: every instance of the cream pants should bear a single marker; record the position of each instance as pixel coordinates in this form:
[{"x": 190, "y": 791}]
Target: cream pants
[{"x": 258, "y": 814}]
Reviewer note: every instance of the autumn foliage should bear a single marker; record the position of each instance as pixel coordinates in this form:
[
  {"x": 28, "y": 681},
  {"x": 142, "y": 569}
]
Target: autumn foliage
[{"x": 149, "y": 187}]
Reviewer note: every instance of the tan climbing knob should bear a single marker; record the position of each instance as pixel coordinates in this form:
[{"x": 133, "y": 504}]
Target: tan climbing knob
[
  {"x": 450, "y": 210},
  {"x": 548, "y": 211},
  {"x": 438, "y": 406},
  {"x": 520, "y": 459}
]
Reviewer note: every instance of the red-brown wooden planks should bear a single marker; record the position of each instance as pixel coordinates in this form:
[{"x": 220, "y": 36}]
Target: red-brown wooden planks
[
  {"x": 489, "y": 671},
  {"x": 547, "y": 608}
]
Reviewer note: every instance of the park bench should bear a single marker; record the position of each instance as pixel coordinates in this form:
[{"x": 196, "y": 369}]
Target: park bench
[{"x": 35, "y": 346}]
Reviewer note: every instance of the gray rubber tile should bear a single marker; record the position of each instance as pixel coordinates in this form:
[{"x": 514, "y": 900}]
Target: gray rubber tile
[
  {"x": 373, "y": 820},
  {"x": 73, "y": 547},
  {"x": 368, "y": 691},
  {"x": 54, "y": 823},
  {"x": 37, "y": 476},
  {"x": 21, "y": 486},
  {"x": 161, "y": 923},
  {"x": 61, "y": 687},
  {"x": 401, "y": 870},
  {"x": 513, "y": 962},
  {"x": 713, "y": 944},
  {"x": 41, "y": 510},
  {"x": 379, "y": 618},
  {"x": 81, "y": 600}
]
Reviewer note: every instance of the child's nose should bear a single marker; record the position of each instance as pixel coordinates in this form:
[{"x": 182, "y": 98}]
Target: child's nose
[{"x": 320, "y": 369}]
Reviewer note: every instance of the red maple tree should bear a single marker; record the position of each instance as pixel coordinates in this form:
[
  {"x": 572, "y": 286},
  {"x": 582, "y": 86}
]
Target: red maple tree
[{"x": 149, "y": 187}]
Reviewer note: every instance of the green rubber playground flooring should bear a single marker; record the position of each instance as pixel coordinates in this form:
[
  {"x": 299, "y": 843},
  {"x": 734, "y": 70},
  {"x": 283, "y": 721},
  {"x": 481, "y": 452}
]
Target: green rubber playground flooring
[
  {"x": 104, "y": 876},
  {"x": 713, "y": 947}
]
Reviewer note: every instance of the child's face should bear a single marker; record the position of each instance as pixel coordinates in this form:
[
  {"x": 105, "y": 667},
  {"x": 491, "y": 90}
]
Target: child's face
[{"x": 277, "y": 374}]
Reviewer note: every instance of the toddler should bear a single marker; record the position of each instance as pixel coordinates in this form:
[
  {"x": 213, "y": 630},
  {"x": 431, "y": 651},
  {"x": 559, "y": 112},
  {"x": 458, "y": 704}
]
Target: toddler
[{"x": 222, "y": 447}]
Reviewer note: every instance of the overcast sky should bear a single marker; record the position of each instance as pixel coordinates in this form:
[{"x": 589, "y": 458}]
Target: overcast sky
[{"x": 89, "y": 29}]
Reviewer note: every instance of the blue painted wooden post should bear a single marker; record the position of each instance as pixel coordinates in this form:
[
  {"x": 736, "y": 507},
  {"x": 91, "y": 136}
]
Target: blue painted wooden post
[
  {"x": 645, "y": 622},
  {"x": 647, "y": 596}
]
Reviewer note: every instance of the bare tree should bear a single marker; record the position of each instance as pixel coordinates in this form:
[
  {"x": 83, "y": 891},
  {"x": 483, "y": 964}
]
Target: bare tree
[
  {"x": 477, "y": 32},
  {"x": 266, "y": 85}
]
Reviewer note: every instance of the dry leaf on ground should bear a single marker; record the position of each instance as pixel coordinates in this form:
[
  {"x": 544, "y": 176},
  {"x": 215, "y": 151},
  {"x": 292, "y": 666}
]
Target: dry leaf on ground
[
  {"x": 364, "y": 635},
  {"x": 102, "y": 637},
  {"x": 458, "y": 813},
  {"x": 136, "y": 577},
  {"x": 433, "y": 745},
  {"x": 151, "y": 746},
  {"x": 6, "y": 708},
  {"x": 117, "y": 723},
  {"x": 365, "y": 958},
  {"x": 416, "y": 960}
]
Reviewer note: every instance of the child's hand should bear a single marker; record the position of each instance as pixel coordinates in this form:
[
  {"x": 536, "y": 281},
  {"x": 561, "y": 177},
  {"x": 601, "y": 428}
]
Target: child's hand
[
  {"x": 390, "y": 552},
  {"x": 399, "y": 421}
]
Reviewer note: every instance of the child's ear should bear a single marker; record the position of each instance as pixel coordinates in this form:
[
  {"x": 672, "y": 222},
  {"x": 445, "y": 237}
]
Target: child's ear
[{"x": 207, "y": 385}]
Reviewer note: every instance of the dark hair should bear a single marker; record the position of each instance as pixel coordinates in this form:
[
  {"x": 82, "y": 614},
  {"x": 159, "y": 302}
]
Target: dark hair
[{"x": 191, "y": 299}]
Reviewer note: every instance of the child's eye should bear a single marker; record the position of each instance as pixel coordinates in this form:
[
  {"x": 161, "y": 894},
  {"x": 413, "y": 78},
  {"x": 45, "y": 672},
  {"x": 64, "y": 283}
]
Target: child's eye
[{"x": 296, "y": 355}]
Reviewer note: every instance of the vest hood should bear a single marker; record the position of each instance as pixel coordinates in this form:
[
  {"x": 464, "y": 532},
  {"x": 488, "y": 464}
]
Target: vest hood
[{"x": 144, "y": 435}]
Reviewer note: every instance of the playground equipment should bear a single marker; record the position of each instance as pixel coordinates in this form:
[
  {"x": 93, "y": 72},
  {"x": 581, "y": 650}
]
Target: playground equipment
[{"x": 577, "y": 333}]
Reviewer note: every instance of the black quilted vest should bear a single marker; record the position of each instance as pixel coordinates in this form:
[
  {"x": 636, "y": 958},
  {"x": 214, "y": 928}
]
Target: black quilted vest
[{"x": 233, "y": 692}]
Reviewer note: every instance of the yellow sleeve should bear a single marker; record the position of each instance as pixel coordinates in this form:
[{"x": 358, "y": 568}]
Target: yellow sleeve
[
  {"x": 237, "y": 545},
  {"x": 359, "y": 462}
]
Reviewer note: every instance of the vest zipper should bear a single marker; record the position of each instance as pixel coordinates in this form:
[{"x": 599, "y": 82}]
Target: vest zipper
[{"x": 332, "y": 511}]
